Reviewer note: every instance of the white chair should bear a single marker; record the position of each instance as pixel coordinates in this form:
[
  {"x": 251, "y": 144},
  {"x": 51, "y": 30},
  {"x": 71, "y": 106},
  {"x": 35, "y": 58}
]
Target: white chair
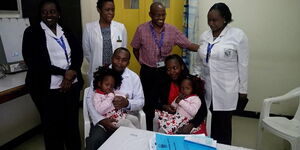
[
  {"x": 208, "y": 123},
  {"x": 87, "y": 123},
  {"x": 280, "y": 126},
  {"x": 86, "y": 118}
]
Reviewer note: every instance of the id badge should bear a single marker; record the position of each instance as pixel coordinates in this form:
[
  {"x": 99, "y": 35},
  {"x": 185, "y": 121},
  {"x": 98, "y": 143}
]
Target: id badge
[{"x": 160, "y": 64}]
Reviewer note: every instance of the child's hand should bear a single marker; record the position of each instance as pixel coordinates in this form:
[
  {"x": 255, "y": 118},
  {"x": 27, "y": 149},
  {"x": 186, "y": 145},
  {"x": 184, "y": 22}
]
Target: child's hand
[
  {"x": 179, "y": 98},
  {"x": 111, "y": 91},
  {"x": 120, "y": 102},
  {"x": 170, "y": 109}
]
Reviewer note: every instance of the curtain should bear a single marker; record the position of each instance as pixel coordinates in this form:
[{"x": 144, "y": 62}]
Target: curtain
[{"x": 192, "y": 58}]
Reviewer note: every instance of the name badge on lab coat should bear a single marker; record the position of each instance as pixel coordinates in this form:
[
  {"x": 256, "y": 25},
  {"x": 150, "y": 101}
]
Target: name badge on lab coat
[{"x": 119, "y": 42}]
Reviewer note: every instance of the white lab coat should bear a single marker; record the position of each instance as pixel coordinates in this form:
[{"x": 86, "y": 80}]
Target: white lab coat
[
  {"x": 226, "y": 73},
  {"x": 92, "y": 43}
]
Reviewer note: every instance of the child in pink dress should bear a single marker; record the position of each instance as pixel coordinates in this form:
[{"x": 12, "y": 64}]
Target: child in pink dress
[
  {"x": 186, "y": 104},
  {"x": 105, "y": 81}
]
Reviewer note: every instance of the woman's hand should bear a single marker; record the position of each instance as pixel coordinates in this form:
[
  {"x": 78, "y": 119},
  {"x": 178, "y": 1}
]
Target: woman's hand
[
  {"x": 242, "y": 96},
  {"x": 179, "y": 98},
  {"x": 170, "y": 109},
  {"x": 65, "y": 85},
  {"x": 186, "y": 129},
  {"x": 69, "y": 77}
]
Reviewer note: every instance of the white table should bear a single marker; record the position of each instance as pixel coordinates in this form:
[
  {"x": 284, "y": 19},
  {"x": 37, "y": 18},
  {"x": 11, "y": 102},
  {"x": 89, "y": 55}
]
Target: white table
[
  {"x": 12, "y": 80},
  {"x": 136, "y": 139}
]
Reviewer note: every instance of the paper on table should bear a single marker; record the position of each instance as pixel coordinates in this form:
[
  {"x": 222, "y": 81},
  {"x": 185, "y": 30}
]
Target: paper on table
[
  {"x": 202, "y": 140},
  {"x": 175, "y": 142}
]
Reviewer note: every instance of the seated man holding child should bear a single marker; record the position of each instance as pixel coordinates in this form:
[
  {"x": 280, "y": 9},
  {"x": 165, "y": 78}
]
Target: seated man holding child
[{"x": 131, "y": 86}]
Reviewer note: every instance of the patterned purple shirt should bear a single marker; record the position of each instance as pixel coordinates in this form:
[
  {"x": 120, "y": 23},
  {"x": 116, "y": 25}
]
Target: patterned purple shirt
[{"x": 149, "y": 51}]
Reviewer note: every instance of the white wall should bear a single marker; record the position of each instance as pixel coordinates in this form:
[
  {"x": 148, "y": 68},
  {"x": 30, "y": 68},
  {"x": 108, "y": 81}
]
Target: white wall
[
  {"x": 272, "y": 27},
  {"x": 17, "y": 117},
  {"x": 88, "y": 11},
  {"x": 88, "y": 14}
]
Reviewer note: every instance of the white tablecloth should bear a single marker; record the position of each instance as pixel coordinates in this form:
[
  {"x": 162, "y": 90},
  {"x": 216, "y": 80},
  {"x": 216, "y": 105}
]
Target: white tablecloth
[{"x": 136, "y": 139}]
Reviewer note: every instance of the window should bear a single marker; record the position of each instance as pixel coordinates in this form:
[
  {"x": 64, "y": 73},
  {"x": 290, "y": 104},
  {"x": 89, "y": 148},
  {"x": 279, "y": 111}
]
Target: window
[
  {"x": 11, "y": 7},
  {"x": 131, "y": 4},
  {"x": 166, "y": 3}
]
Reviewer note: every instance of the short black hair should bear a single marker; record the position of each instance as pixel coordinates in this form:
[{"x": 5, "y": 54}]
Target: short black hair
[
  {"x": 122, "y": 49},
  {"x": 185, "y": 70},
  {"x": 102, "y": 72},
  {"x": 55, "y": 2},
  {"x": 197, "y": 85},
  {"x": 43, "y": 2},
  {"x": 224, "y": 11},
  {"x": 156, "y": 4},
  {"x": 180, "y": 61},
  {"x": 100, "y": 3}
]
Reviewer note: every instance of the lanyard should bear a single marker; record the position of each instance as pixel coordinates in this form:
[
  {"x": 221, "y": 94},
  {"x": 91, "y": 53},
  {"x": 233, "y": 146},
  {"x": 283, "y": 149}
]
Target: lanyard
[
  {"x": 160, "y": 42},
  {"x": 209, "y": 47},
  {"x": 62, "y": 45}
]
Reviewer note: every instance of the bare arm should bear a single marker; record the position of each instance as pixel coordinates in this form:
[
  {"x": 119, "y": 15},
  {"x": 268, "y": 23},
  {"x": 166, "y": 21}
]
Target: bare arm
[
  {"x": 194, "y": 47},
  {"x": 136, "y": 53}
]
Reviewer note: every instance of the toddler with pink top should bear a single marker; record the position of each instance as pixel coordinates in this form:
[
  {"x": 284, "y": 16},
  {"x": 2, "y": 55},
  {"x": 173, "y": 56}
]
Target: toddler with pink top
[
  {"x": 106, "y": 84},
  {"x": 186, "y": 105}
]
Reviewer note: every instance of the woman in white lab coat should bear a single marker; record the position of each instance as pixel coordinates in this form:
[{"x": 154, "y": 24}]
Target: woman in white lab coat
[
  {"x": 224, "y": 57},
  {"x": 102, "y": 37}
]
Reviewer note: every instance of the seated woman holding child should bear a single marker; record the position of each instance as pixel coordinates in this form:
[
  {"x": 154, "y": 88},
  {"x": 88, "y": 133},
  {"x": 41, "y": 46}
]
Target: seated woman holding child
[{"x": 182, "y": 107}]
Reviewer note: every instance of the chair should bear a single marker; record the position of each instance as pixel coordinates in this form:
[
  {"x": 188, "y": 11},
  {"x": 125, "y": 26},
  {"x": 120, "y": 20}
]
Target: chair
[
  {"x": 87, "y": 123},
  {"x": 280, "y": 126},
  {"x": 86, "y": 118},
  {"x": 208, "y": 123}
]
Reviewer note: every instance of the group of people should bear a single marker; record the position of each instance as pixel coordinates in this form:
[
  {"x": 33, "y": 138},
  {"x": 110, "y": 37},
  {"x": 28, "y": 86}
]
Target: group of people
[{"x": 173, "y": 100}]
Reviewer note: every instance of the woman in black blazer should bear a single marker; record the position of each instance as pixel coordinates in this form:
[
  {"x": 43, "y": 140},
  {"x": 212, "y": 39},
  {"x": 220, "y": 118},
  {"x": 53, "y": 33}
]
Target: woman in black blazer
[{"x": 54, "y": 79}]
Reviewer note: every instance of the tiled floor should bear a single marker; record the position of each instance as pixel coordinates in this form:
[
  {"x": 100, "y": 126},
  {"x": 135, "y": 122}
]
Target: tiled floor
[{"x": 244, "y": 135}]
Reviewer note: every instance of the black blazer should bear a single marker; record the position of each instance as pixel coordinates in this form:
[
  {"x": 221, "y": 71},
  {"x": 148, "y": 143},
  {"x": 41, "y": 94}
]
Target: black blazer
[{"x": 36, "y": 57}]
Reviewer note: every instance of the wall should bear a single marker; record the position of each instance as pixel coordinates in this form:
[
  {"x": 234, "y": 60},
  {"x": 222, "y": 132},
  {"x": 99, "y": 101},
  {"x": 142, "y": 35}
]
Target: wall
[
  {"x": 17, "y": 117},
  {"x": 272, "y": 27}
]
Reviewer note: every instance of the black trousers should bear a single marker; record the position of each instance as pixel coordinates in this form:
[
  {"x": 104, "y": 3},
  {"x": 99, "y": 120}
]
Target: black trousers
[
  {"x": 97, "y": 137},
  {"x": 221, "y": 126},
  {"x": 151, "y": 79},
  {"x": 59, "y": 114}
]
